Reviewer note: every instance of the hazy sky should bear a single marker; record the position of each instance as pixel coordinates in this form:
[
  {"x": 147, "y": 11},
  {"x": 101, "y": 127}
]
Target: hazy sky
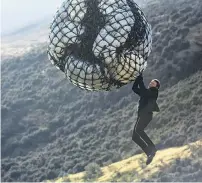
[{"x": 17, "y": 13}]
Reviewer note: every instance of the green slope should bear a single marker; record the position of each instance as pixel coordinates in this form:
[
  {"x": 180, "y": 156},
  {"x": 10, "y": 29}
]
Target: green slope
[{"x": 166, "y": 162}]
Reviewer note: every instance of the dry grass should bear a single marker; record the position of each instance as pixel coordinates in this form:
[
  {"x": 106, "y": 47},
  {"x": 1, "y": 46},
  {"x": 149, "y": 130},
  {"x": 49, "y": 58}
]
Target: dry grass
[{"x": 163, "y": 159}]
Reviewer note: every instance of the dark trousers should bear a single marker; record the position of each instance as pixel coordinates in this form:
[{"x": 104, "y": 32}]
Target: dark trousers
[{"x": 139, "y": 136}]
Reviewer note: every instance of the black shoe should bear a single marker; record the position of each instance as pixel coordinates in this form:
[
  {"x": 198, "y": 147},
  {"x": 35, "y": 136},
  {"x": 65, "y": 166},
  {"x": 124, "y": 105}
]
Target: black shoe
[{"x": 150, "y": 157}]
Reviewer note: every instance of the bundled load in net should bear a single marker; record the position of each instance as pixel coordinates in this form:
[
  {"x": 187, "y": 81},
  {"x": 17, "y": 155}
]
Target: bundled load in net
[{"x": 100, "y": 44}]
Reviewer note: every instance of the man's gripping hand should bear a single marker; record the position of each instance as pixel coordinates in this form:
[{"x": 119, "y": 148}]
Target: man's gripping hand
[{"x": 140, "y": 77}]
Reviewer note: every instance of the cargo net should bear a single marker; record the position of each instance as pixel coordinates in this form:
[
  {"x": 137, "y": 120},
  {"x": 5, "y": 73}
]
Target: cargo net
[{"x": 100, "y": 44}]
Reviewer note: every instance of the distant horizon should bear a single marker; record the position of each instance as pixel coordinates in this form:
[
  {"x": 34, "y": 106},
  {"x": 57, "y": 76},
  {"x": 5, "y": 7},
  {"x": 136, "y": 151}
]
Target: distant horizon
[
  {"x": 20, "y": 28},
  {"x": 30, "y": 12}
]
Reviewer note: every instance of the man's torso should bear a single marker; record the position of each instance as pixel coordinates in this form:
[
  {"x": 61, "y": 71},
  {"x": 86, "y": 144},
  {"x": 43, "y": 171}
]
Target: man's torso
[{"x": 148, "y": 104}]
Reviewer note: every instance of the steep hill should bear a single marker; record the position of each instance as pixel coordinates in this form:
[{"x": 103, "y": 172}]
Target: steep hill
[
  {"x": 174, "y": 164},
  {"x": 50, "y": 127}
]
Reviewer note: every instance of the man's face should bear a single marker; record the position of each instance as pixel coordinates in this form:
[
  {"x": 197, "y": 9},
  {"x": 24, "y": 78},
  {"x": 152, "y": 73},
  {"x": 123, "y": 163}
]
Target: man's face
[{"x": 152, "y": 84}]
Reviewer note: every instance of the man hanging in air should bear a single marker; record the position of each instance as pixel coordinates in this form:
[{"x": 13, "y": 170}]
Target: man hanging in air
[{"x": 147, "y": 105}]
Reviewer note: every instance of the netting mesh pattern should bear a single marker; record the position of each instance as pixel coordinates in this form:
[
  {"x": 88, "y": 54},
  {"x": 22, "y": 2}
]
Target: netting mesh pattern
[{"x": 100, "y": 44}]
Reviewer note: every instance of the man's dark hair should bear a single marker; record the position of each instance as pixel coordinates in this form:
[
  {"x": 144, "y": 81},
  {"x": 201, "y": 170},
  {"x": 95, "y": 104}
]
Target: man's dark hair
[{"x": 157, "y": 83}]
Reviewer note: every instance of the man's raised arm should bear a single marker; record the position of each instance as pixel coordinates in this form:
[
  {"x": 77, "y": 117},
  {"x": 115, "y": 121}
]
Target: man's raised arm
[{"x": 135, "y": 87}]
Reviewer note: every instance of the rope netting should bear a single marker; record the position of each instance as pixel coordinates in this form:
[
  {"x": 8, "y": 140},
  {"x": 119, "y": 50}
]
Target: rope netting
[{"x": 100, "y": 44}]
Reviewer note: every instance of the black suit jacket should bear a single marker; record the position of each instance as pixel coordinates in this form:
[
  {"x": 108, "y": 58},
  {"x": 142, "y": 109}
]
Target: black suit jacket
[{"x": 148, "y": 96}]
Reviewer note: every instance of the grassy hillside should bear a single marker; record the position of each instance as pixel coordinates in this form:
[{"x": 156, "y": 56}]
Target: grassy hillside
[
  {"x": 51, "y": 128},
  {"x": 177, "y": 43},
  {"x": 172, "y": 164}
]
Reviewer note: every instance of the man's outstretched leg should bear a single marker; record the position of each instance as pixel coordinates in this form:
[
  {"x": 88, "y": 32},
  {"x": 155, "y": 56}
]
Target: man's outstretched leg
[{"x": 141, "y": 138}]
